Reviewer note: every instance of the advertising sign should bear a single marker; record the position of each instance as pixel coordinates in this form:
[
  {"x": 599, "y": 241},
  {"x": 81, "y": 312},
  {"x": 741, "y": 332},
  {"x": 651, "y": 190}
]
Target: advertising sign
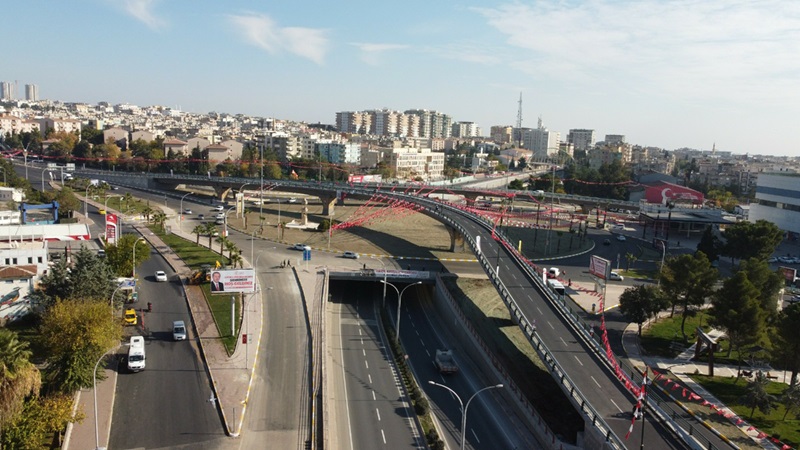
[
  {"x": 234, "y": 280},
  {"x": 112, "y": 228},
  {"x": 788, "y": 273},
  {"x": 364, "y": 178},
  {"x": 599, "y": 267}
]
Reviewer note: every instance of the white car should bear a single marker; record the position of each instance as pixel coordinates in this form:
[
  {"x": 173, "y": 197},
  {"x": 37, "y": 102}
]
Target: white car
[
  {"x": 621, "y": 238},
  {"x": 161, "y": 276},
  {"x": 220, "y": 216},
  {"x": 350, "y": 255},
  {"x": 292, "y": 200},
  {"x": 614, "y": 276},
  {"x": 218, "y": 208},
  {"x": 301, "y": 247},
  {"x": 187, "y": 211}
]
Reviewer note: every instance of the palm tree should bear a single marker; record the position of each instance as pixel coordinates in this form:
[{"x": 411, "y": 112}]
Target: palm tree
[
  {"x": 19, "y": 378},
  {"x": 756, "y": 395},
  {"x": 210, "y": 229},
  {"x": 221, "y": 241},
  {"x": 231, "y": 247},
  {"x": 198, "y": 230},
  {"x": 630, "y": 258},
  {"x": 147, "y": 212},
  {"x": 159, "y": 218},
  {"x": 236, "y": 259}
]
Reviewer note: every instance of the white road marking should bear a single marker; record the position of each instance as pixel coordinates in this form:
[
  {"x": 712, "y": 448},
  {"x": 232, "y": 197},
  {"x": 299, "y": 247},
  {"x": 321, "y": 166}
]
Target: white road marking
[
  {"x": 429, "y": 353},
  {"x": 383, "y": 436},
  {"x": 373, "y": 396},
  {"x": 615, "y": 404},
  {"x": 576, "y": 359},
  {"x": 370, "y": 378},
  {"x": 551, "y": 325},
  {"x": 562, "y": 340},
  {"x": 416, "y": 331},
  {"x": 344, "y": 386},
  {"x": 476, "y": 436},
  {"x": 378, "y": 413},
  {"x": 363, "y": 352},
  {"x": 540, "y": 311},
  {"x": 595, "y": 381},
  {"x": 366, "y": 364}
]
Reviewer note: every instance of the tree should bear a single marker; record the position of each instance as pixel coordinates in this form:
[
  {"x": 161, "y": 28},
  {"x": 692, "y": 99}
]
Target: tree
[
  {"x": 91, "y": 276},
  {"x": 788, "y": 339},
  {"x": 19, "y": 378},
  {"x": 76, "y": 334},
  {"x": 210, "y": 230},
  {"x": 236, "y": 259},
  {"x": 745, "y": 240},
  {"x": 41, "y": 418},
  {"x": 735, "y": 309},
  {"x": 630, "y": 259},
  {"x": 638, "y": 303},
  {"x": 159, "y": 218},
  {"x": 231, "y": 247},
  {"x": 710, "y": 244},
  {"x": 757, "y": 396},
  {"x": 119, "y": 256},
  {"x": 688, "y": 280},
  {"x": 54, "y": 284},
  {"x": 198, "y": 230},
  {"x": 768, "y": 283},
  {"x": 148, "y": 211},
  {"x": 791, "y": 400},
  {"x": 221, "y": 240},
  {"x": 516, "y": 185}
]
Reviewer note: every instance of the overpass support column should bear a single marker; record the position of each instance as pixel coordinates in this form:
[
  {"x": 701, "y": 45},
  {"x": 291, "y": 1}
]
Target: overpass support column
[
  {"x": 222, "y": 192},
  {"x": 328, "y": 203},
  {"x": 457, "y": 242}
]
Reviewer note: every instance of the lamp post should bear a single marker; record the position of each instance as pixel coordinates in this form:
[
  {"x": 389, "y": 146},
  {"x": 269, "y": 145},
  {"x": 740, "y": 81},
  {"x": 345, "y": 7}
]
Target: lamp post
[
  {"x": 134, "y": 255},
  {"x": 236, "y": 200},
  {"x": 279, "y": 217},
  {"x": 663, "y": 254},
  {"x": 43, "y": 171},
  {"x": 111, "y": 301},
  {"x": 94, "y": 390},
  {"x": 225, "y": 229},
  {"x": 399, "y": 303},
  {"x": 86, "y": 201},
  {"x": 464, "y": 408},
  {"x": 105, "y": 204},
  {"x": 384, "y": 279},
  {"x": 180, "y": 221}
]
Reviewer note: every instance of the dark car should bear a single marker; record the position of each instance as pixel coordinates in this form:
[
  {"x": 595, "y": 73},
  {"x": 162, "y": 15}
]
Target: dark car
[{"x": 606, "y": 241}]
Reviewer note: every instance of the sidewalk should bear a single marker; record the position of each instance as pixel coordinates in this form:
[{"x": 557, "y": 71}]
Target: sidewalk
[{"x": 231, "y": 376}]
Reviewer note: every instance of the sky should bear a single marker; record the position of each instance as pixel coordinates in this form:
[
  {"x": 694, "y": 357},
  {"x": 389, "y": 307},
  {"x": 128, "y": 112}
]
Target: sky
[{"x": 664, "y": 73}]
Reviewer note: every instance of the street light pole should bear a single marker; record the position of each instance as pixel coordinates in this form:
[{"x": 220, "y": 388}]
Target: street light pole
[
  {"x": 134, "y": 255},
  {"x": 225, "y": 229},
  {"x": 399, "y": 303},
  {"x": 94, "y": 390},
  {"x": 384, "y": 279},
  {"x": 86, "y": 201},
  {"x": 464, "y": 408},
  {"x": 180, "y": 214},
  {"x": 663, "y": 254},
  {"x": 43, "y": 171}
]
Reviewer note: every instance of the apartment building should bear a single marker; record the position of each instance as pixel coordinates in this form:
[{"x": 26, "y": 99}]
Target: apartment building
[
  {"x": 32, "y": 92},
  {"x": 502, "y": 134},
  {"x": 778, "y": 200},
  {"x": 581, "y": 139},
  {"x": 14, "y": 125},
  {"x": 410, "y": 163}
]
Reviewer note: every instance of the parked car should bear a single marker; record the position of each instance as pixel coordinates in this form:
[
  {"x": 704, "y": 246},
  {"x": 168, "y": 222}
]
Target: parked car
[
  {"x": 101, "y": 253},
  {"x": 178, "y": 330},
  {"x": 301, "y": 247},
  {"x": 614, "y": 276},
  {"x": 218, "y": 208},
  {"x": 621, "y": 238},
  {"x": 130, "y": 317},
  {"x": 350, "y": 255},
  {"x": 161, "y": 276},
  {"x": 220, "y": 216},
  {"x": 201, "y": 217}
]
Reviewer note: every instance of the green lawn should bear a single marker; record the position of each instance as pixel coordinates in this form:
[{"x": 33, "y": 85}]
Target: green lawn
[
  {"x": 659, "y": 336},
  {"x": 728, "y": 392},
  {"x": 543, "y": 243},
  {"x": 192, "y": 254},
  {"x": 134, "y": 206},
  {"x": 221, "y": 310},
  {"x": 638, "y": 273}
]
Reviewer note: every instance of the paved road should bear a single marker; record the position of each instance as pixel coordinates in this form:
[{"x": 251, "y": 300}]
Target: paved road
[
  {"x": 377, "y": 414},
  {"x": 167, "y": 404},
  {"x": 421, "y": 338},
  {"x": 596, "y": 382}
]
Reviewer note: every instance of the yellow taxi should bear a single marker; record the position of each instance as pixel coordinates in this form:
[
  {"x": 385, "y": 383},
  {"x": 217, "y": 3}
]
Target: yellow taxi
[{"x": 130, "y": 317}]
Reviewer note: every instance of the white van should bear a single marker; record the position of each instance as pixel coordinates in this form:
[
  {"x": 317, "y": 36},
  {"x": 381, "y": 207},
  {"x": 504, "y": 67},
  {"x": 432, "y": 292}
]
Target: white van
[
  {"x": 553, "y": 272},
  {"x": 136, "y": 355},
  {"x": 178, "y": 330}
]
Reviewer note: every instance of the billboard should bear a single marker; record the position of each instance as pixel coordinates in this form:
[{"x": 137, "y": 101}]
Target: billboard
[
  {"x": 365, "y": 178},
  {"x": 112, "y": 228},
  {"x": 789, "y": 273},
  {"x": 233, "y": 280},
  {"x": 663, "y": 192},
  {"x": 599, "y": 267}
]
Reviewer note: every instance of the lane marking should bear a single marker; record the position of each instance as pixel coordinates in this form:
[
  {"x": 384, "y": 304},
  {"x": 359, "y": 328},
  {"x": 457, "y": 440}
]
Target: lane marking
[
  {"x": 579, "y": 361},
  {"x": 344, "y": 386},
  {"x": 476, "y": 436},
  {"x": 595, "y": 382},
  {"x": 551, "y": 325},
  {"x": 540, "y": 311},
  {"x": 373, "y": 396},
  {"x": 370, "y": 378},
  {"x": 378, "y": 413},
  {"x": 364, "y": 352},
  {"x": 615, "y": 404},
  {"x": 562, "y": 340},
  {"x": 366, "y": 363},
  {"x": 383, "y": 436}
]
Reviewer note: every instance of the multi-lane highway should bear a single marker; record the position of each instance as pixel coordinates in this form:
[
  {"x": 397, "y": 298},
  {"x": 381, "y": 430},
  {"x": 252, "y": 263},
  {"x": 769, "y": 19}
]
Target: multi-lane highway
[{"x": 370, "y": 408}]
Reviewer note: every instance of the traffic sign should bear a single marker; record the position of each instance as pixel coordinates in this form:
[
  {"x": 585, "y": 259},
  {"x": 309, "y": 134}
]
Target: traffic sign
[{"x": 306, "y": 255}]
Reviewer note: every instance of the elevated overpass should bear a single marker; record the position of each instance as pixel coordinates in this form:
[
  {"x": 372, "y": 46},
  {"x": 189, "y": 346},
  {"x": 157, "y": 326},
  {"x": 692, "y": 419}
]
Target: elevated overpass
[{"x": 581, "y": 368}]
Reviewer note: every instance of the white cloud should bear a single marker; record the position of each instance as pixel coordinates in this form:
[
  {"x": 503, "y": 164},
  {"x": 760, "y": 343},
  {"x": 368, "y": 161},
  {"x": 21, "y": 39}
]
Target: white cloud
[
  {"x": 699, "y": 49},
  {"x": 142, "y": 10},
  {"x": 260, "y": 30},
  {"x": 371, "y": 53}
]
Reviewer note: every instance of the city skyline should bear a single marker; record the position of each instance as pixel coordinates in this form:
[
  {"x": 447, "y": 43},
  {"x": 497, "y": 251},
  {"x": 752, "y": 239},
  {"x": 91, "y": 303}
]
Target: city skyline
[{"x": 669, "y": 74}]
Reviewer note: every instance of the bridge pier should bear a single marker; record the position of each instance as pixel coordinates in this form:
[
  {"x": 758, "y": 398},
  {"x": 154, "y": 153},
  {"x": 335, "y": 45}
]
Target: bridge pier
[
  {"x": 221, "y": 192},
  {"x": 457, "y": 242},
  {"x": 328, "y": 204}
]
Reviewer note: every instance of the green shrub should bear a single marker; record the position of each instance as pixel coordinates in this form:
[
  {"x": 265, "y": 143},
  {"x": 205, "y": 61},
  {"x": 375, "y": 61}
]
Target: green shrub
[{"x": 421, "y": 406}]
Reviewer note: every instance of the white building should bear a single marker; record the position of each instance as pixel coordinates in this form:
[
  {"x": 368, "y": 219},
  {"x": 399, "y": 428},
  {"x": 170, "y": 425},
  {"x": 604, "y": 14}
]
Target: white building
[
  {"x": 24, "y": 253},
  {"x": 417, "y": 162},
  {"x": 778, "y": 201},
  {"x": 582, "y": 139},
  {"x": 8, "y": 194},
  {"x": 32, "y": 92}
]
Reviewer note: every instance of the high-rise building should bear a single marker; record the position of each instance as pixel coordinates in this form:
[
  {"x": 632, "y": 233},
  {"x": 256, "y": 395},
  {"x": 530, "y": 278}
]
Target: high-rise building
[
  {"x": 465, "y": 129},
  {"x": 432, "y": 124},
  {"x": 32, "y": 92},
  {"x": 7, "y": 90},
  {"x": 615, "y": 139},
  {"x": 581, "y": 139},
  {"x": 777, "y": 200},
  {"x": 540, "y": 140}
]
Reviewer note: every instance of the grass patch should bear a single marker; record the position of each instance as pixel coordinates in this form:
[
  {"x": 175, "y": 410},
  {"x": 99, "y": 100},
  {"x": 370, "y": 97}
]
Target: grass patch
[
  {"x": 663, "y": 337},
  {"x": 491, "y": 319},
  {"x": 638, "y": 273},
  {"x": 535, "y": 243},
  {"x": 221, "y": 310},
  {"x": 192, "y": 254},
  {"x": 728, "y": 391}
]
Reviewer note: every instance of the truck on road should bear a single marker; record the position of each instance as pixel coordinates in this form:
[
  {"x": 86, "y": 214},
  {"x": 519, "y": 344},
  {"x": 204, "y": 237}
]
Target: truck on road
[{"x": 445, "y": 362}]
